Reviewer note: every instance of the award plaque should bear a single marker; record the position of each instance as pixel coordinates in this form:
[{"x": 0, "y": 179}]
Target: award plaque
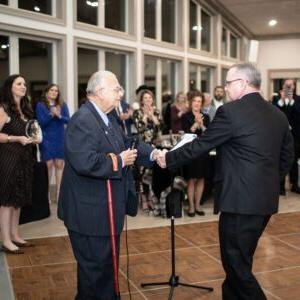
[{"x": 33, "y": 131}]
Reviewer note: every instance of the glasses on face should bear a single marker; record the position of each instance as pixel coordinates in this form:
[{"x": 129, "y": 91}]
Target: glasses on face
[
  {"x": 228, "y": 82},
  {"x": 119, "y": 89}
]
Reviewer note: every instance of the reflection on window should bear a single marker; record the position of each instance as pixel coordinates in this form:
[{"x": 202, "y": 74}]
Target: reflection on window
[
  {"x": 205, "y": 79},
  {"x": 115, "y": 14},
  {"x": 116, "y": 63},
  {"x": 37, "y": 56},
  {"x": 233, "y": 45},
  {"x": 223, "y": 76},
  {"x": 39, "y": 6},
  {"x": 193, "y": 25},
  {"x": 4, "y": 58},
  {"x": 87, "y": 11},
  {"x": 4, "y": 2},
  {"x": 150, "y": 73},
  {"x": 87, "y": 65},
  {"x": 224, "y": 41},
  {"x": 168, "y": 20},
  {"x": 205, "y": 31},
  {"x": 193, "y": 77},
  {"x": 150, "y": 18},
  {"x": 168, "y": 77}
]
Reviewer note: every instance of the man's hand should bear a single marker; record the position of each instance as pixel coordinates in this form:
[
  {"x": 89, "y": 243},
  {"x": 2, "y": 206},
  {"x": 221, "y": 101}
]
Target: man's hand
[
  {"x": 161, "y": 158},
  {"x": 128, "y": 157}
]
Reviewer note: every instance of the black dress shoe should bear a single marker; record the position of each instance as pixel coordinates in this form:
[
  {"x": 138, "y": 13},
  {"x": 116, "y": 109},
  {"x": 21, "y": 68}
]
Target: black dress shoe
[
  {"x": 8, "y": 251},
  {"x": 191, "y": 214},
  {"x": 295, "y": 189},
  {"x": 26, "y": 244},
  {"x": 200, "y": 212}
]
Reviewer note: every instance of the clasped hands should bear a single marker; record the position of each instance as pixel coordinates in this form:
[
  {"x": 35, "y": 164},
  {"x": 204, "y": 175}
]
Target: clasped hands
[{"x": 129, "y": 156}]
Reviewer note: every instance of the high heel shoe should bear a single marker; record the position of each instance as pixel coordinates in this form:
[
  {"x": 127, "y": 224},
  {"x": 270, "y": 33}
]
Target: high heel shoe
[{"x": 9, "y": 251}]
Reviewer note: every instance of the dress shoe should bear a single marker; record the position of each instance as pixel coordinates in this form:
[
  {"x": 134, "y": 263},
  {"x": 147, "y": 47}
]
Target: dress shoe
[
  {"x": 8, "y": 251},
  {"x": 26, "y": 244},
  {"x": 282, "y": 193},
  {"x": 200, "y": 212},
  {"x": 295, "y": 189},
  {"x": 191, "y": 214}
]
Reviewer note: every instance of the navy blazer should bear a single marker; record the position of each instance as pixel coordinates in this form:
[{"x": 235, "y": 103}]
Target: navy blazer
[
  {"x": 254, "y": 151},
  {"x": 82, "y": 201}
]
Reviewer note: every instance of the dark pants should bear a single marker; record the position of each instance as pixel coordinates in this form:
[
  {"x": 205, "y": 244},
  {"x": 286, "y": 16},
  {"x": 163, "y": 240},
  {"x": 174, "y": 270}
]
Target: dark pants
[
  {"x": 95, "y": 275},
  {"x": 239, "y": 235},
  {"x": 294, "y": 169}
]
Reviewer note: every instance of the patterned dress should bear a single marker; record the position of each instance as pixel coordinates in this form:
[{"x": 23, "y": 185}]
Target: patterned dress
[{"x": 16, "y": 167}]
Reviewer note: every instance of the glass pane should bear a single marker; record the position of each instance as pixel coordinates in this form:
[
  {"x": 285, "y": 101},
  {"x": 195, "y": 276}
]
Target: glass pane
[
  {"x": 4, "y": 2},
  {"x": 205, "y": 79},
  {"x": 168, "y": 77},
  {"x": 193, "y": 77},
  {"x": 37, "y": 56},
  {"x": 168, "y": 20},
  {"x": 150, "y": 73},
  {"x": 87, "y": 65},
  {"x": 87, "y": 11},
  {"x": 233, "y": 46},
  {"x": 205, "y": 31},
  {"x": 115, "y": 14},
  {"x": 223, "y": 76},
  {"x": 4, "y": 58},
  {"x": 39, "y": 6},
  {"x": 224, "y": 41},
  {"x": 193, "y": 25},
  {"x": 116, "y": 63},
  {"x": 150, "y": 18}
]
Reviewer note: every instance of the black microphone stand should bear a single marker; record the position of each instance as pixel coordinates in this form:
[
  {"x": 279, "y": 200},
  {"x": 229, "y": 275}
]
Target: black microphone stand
[{"x": 174, "y": 279}]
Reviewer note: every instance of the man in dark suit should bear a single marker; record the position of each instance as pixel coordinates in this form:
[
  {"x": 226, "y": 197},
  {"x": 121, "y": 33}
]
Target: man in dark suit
[
  {"x": 255, "y": 150},
  {"x": 83, "y": 207}
]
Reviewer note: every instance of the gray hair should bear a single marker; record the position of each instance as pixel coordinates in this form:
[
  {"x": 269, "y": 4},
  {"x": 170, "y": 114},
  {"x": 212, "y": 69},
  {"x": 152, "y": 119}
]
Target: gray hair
[
  {"x": 97, "y": 80},
  {"x": 250, "y": 72}
]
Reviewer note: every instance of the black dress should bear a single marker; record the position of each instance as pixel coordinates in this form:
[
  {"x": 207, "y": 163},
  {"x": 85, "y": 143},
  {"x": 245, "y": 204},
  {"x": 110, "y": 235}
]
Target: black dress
[
  {"x": 16, "y": 167},
  {"x": 199, "y": 167}
]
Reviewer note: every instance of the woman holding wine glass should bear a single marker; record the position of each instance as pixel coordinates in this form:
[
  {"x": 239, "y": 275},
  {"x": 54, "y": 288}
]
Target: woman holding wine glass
[{"x": 16, "y": 163}]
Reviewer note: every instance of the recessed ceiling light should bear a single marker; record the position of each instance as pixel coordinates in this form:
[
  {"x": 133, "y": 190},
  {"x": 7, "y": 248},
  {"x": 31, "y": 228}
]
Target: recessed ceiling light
[{"x": 272, "y": 22}]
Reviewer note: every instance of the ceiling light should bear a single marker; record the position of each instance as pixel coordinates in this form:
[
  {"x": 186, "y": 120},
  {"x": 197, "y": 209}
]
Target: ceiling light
[
  {"x": 36, "y": 8},
  {"x": 272, "y": 22},
  {"x": 92, "y": 3}
]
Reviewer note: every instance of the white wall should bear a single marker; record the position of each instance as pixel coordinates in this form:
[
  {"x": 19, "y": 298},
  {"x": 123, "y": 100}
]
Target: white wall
[{"x": 277, "y": 54}]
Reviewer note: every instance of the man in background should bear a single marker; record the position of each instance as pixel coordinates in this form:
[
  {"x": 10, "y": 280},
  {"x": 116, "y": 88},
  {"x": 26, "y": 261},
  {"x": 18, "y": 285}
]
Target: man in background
[{"x": 219, "y": 96}]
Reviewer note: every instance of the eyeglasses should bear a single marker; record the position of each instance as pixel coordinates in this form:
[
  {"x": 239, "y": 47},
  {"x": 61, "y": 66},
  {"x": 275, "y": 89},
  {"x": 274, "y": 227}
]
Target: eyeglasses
[
  {"x": 119, "y": 89},
  {"x": 228, "y": 82}
]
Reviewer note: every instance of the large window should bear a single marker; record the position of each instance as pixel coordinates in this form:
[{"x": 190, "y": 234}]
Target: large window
[
  {"x": 193, "y": 25},
  {"x": 39, "y": 6},
  {"x": 200, "y": 77},
  {"x": 168, "y": 79},
  {"x": 35, "y": 60},
  {"x": 150, "y": 18},
  {"x": 87, "y": 65},
  {"x": 205, "y": 30},
  {"x": 233, "y": 46},
  {"x": 4, "y": 57},
  {"x": 150, "y": 73},
  {"x": 230, "y": 43},
  {"x": 168, "y": 11},
  {"x": 87, "y": 12},
  {"x": 224, "y": 42},
  {"x": 115, "y": 14}
]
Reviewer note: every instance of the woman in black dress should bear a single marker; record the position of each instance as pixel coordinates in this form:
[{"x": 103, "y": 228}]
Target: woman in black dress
[
  {"x": 16, "y": 163},
  {"x": 195, "y": 122}
]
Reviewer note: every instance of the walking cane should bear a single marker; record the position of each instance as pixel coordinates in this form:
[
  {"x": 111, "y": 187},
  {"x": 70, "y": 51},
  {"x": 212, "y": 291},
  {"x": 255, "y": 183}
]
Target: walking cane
[{"x": 112, "y": 226}]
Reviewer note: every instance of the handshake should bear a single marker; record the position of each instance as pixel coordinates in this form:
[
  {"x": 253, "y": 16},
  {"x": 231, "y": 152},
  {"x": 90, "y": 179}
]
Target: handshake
[{"x": 129, "y": 156}]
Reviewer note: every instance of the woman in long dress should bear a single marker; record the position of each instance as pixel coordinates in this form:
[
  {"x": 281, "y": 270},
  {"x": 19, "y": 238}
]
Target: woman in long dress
[{"x": 16, "y": 163}]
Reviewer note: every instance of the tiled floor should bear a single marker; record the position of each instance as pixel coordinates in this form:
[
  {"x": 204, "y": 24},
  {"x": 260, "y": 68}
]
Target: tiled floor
[{"x": 48, "y": 270}]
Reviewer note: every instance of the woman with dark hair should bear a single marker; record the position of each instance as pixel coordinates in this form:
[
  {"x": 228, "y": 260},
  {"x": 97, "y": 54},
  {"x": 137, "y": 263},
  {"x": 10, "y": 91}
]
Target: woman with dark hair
[
  {"x": 147, "y": 122},
  {"x": 16, "y": 163},
  {"x": 195, "y": 122},
  {"x": 52, "y": 114}
]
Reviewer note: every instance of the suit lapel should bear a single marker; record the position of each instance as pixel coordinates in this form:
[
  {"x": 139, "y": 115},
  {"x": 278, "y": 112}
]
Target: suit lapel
[{"x": 106, "y": 132}]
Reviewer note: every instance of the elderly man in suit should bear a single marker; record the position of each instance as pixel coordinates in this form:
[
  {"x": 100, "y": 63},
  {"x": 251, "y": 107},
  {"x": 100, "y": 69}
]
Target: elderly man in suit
[
  {"x": 255, "y": 150},
  {"x": 92, "y": 135}
]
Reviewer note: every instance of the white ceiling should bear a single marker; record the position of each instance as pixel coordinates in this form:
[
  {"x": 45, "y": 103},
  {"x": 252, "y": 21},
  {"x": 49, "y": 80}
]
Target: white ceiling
[{"x": 255, "y": 15}]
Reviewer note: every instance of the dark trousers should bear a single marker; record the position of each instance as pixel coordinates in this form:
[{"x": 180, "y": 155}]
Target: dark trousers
[
  {"x": 95, "y": 273},
  {"x": 239, "y": 235},
  {"x": 294, "y": 169}
]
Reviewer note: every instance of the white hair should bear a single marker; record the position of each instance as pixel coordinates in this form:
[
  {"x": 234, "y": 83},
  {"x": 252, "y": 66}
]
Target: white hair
[
  {"x": 250, "y": 72},
  {"x": 97, "y": 80}
]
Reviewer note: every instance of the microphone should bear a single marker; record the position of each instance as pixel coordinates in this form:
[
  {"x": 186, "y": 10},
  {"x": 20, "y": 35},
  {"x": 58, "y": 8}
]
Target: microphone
[{"x": 134, "y": 142}]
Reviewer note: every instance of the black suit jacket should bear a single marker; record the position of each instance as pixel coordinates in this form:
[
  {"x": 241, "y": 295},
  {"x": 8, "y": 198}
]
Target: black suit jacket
[
  {"x": 82, "y": 201},
  {"x": 255, "y": 150}
]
